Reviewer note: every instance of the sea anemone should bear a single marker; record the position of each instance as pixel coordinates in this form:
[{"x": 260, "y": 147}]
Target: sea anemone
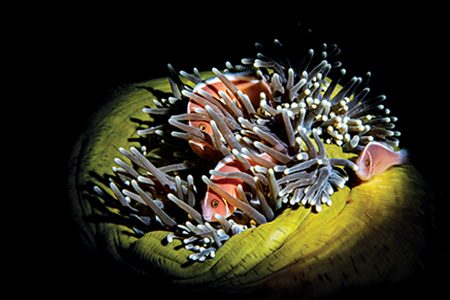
[{"x": 257, "y": 148}]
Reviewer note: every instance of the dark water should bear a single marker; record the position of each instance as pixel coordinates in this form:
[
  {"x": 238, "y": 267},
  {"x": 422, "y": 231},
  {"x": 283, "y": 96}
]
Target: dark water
[{"x": 98, "y": 52}]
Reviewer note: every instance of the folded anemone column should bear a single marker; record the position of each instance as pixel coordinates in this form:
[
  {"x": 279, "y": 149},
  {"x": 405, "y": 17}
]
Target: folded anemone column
[{"x": 259, "y": 178}]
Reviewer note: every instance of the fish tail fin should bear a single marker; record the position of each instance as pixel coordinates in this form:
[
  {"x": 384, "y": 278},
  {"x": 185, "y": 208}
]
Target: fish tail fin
[{"x": 403, "y": 156}]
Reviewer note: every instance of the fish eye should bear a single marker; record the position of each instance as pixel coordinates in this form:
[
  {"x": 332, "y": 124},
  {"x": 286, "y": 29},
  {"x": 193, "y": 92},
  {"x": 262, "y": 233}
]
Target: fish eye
[
  {"x": 202, "y": 126},
  {"x": 215, "y": 203},
  {"x": 367, "y": 162}
]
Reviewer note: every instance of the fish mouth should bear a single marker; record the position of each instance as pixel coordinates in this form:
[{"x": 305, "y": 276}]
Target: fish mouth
[{"x": 298, "y": 249}]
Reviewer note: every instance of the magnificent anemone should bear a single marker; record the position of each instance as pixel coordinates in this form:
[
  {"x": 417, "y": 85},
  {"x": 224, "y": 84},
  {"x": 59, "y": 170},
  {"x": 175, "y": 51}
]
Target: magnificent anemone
[{"x": 221, "y": 154}]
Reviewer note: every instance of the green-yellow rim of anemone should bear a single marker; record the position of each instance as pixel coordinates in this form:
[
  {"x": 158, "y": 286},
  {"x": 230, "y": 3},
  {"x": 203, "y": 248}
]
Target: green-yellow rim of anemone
[{"x": 371, "y": 234}]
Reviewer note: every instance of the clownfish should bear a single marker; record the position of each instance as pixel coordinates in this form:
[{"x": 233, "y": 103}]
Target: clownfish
[
  {"x": 377, "y": 158},
  {"x": 247, "y": 84},
  {"x": 215, "y": 204}
]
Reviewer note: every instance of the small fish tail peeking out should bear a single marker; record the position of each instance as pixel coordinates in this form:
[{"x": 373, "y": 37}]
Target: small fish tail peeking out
[{"x": 377, "y": 158}]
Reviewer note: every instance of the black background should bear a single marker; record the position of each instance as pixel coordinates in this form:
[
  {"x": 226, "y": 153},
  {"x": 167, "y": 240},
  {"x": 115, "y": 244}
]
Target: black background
[{"x": 90, "y": 52}]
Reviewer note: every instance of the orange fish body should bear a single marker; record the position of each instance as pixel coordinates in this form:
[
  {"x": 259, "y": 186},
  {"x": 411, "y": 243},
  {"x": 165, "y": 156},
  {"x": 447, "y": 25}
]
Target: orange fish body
[
  {"x": 249, "y": 85},
  {"x": 213, "y": 203},
  {"x": 377, "y": 158}
]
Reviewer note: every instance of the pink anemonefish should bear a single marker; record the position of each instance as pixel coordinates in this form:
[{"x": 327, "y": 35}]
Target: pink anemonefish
[
  {"x": 213, "y": 203},
  {"x": 377, "y": 158},
  {"x": 249, "y": 85}
]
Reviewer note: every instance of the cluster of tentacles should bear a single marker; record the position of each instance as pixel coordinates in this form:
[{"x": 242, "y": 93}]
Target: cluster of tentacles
[{"x": 277, "y": 140}]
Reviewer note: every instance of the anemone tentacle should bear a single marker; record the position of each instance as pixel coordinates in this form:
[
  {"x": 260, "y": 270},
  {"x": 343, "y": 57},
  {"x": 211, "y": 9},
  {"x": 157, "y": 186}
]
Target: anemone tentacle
[{"x": 272, "y": 119}]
